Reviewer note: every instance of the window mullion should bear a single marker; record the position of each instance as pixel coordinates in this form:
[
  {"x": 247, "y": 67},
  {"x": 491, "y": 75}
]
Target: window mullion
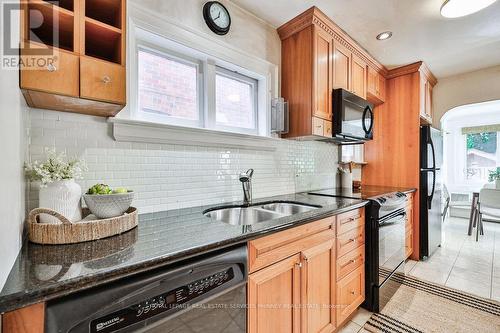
[{"x": 210, "y": 114}]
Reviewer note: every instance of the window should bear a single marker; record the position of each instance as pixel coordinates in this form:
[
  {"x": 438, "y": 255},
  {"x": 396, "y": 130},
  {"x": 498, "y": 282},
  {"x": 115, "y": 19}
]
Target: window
[
  {"x": 235, "y": 100},
  {"x": 179, "y": 86},
  {"x": 481, "y": 155},
  {"x": 167, "y": 86}
]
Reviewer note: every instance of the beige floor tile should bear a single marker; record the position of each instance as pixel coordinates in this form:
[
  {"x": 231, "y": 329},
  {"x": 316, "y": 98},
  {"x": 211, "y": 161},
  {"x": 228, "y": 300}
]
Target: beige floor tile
[
  {"x": 409, "y": 264},
  {"x": 470, "y": 286},
  {"x": 361, "y": 316},
  {"x": 431, "y": 273},
  {"x": 473, "y": 264},
  {"x": 472, "y": 275},
  {"x": 350, "y": 327},
  {"x": 495, "y": 289}
]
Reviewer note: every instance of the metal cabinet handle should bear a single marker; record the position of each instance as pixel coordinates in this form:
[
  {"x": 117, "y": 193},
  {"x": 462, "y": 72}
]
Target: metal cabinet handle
[
  {"x": 353, "y": 292},
  {"x": 106, "y": 79},
  {"x": 299, "y": 264},
  {"x": 51, "y": 68}
]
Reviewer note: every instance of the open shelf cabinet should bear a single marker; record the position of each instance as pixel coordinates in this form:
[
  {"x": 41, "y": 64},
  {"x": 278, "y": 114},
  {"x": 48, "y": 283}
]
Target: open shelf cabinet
[{"x": 75, "y": 33}]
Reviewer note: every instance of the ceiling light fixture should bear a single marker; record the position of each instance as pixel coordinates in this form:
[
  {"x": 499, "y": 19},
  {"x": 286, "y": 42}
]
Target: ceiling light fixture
[
  {"x": 459, "y": 8},
  {"x": 384, "y": 35}
]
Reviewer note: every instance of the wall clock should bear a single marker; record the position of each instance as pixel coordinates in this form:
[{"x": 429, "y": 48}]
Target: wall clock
[{"x": 217, "y": 17}]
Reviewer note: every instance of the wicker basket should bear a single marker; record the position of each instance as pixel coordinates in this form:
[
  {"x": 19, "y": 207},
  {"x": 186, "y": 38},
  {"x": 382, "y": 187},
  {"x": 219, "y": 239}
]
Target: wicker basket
[{"x": 68, "y": 232}]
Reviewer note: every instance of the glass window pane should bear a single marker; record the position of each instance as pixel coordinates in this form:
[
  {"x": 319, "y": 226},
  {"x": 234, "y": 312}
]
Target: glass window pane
[
  {"x": 481, "y": 155},
  {"x": 234, "y": 102},
  {"x": 167, "y": 87}
]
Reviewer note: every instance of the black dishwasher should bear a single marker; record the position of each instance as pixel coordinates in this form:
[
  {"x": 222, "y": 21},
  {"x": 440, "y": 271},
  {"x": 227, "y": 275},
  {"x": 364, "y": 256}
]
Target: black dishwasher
[{"x": 204, "y": 294}]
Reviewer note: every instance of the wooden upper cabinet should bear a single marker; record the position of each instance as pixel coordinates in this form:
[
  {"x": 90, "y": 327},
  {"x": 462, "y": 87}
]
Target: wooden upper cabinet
[
  {"x": 318, "y": 288},
  {"x": 342, "y": 67},
  {"x": 375, "y": 88},
  {"x": 274, "y": 298},
  {"x": 427, "y": 82},
  {"x": 317, "y": 57},
  {"x": 84, "y": 70},
  {"x": 323, "y": 68},
  {"x": 358, "y": 77}
]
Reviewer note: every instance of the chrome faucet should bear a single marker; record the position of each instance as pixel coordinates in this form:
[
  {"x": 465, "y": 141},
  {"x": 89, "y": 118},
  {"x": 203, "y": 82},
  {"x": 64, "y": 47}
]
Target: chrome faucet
[{"x": 246, "y": 182}]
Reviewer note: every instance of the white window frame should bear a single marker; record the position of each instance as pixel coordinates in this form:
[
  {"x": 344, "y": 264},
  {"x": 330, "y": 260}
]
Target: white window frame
[
  {"x": 264, "y": 74},
  {"x": 165, "y": 119},
  {"x": 255, "y": 87}
]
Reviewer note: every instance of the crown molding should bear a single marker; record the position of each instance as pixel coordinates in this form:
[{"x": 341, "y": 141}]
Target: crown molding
[{"x": 314, "y": 16}]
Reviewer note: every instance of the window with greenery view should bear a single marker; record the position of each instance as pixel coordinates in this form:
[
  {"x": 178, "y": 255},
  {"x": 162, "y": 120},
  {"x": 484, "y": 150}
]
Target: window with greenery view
[{"x": 481, "y": 155}]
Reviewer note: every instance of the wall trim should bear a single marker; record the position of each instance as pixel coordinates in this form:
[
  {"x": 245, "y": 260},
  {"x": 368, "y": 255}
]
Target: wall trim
[{"x": 127, "y": 130}]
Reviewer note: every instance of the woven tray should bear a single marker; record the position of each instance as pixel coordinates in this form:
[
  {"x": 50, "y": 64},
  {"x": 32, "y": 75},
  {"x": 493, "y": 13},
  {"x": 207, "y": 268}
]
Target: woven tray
[{"x": 68, "y": 232}]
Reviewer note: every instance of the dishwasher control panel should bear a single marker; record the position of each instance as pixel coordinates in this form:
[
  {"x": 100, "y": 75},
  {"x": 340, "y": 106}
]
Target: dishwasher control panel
[{"x": 176, "y": 299}]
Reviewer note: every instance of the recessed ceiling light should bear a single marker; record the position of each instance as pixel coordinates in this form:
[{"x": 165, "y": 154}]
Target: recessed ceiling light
[
  {"x": 384, "y": 35},
  {"x": 459, "y": 8}
]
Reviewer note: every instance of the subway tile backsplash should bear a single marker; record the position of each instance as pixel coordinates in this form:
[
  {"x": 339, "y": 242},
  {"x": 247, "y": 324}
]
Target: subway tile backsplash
[{"x": 176, "y": 176}]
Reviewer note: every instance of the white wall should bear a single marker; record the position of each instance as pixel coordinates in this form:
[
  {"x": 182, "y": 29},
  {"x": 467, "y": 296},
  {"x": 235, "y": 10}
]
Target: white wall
[
  {"x": 473, "y": 87},
  {"x": 248, "y": 32},
  {"x": 176, "y": 176},
  {"x": 12, "y": 151}
]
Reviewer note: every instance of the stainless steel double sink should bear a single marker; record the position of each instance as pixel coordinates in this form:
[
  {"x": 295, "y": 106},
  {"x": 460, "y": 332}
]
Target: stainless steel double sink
[{"x": 248, "y": 215}]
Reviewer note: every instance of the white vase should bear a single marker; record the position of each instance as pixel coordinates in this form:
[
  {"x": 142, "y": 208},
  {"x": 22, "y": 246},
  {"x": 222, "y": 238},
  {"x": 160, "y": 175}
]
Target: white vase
[
  {"x": 63, "y": 196},
  {"x": 346, "y": 180},
  {"x": 497, "y": 184}
]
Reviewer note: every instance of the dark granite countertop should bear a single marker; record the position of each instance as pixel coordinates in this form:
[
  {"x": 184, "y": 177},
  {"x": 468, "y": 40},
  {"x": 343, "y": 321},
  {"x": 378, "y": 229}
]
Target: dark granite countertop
[
  {"x": 366, "y": 191},
  {"x": 46, "y": 272}
]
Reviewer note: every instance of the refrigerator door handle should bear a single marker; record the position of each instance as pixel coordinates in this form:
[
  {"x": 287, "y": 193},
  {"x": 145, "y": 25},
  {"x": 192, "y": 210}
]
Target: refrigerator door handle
[
  {"x": 429, "y": 198},
  {"x": 433, "y": 155}
]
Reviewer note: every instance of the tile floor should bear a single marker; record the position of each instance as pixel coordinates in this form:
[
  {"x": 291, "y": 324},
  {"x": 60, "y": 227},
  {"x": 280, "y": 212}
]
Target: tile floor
[{"x": 462, "y": 263}]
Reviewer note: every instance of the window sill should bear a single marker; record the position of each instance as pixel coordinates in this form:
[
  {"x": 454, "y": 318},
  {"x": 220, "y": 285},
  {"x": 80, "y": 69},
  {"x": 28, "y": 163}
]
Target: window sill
[{"x": 127, "y": 130}]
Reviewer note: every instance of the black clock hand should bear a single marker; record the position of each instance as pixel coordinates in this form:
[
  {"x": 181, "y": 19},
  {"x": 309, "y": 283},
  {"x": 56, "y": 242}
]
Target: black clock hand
[{"x": 217, "y": 16}]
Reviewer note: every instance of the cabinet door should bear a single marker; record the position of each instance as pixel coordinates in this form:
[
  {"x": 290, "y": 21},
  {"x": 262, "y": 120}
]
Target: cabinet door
[
  {"x": 274, "y": 296},
  {"x": 423, "y": 89},
  {"x": 341, "y": 67},
  {"x": 102, "y": 80},
  {"x": 358, "y": 76},
  {"x": 373, "y": 82},
  {"x": 318, "y": 288},
  {"x": 323, "y": 63},
  {"x": 350, "y": 293},
  {"x": 428, "y": 100},
  {"x": 59, "y": 78}
]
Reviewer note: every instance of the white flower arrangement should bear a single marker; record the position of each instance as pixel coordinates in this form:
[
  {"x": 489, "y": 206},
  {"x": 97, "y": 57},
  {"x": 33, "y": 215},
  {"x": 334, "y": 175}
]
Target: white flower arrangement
[{"x": 57, "y": 167}]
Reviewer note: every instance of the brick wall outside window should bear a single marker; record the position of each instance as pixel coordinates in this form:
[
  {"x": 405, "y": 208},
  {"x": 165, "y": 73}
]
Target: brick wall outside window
[{"x": 167, "y": 87}]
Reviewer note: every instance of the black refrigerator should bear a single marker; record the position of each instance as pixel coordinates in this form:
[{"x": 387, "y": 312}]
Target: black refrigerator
[{"x": 431, "y": 158}]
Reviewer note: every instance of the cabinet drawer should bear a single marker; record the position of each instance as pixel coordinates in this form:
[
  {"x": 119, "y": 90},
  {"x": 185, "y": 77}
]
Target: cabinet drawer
[
  {"x": 318, "y": 126},
  {"x": 267, "y": 250},
  {"x": 60, "y": 78},
  {"x": 350, "y": 240},
  {"x": 350, "y": 261},
  {"x": 350, "y": 294},
  {"x": 327, "y": 128},
  {"x": 101, "y": 80},
  {"x": 350, "y": 220}
]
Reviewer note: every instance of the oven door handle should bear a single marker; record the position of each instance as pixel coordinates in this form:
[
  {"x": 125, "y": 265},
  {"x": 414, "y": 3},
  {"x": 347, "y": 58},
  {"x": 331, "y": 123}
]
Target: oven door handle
[{"x": 392, "y": 216}]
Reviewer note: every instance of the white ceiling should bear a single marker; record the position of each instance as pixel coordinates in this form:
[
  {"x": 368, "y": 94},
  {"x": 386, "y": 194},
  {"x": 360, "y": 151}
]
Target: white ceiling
[{"x": 448, "y": 46}]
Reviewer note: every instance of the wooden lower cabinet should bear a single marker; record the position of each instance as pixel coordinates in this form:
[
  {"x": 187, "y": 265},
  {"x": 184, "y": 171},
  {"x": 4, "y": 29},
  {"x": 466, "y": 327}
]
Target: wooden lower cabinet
[
  {"x": 304, "y": 292},
  {"x": 274, "y": 297},
  {"x": 350, "y": 293},
  {"x": 318, "y": 288}
]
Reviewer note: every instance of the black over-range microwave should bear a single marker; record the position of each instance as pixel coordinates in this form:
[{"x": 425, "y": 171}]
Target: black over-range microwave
[{"x": 352, "y": 117}]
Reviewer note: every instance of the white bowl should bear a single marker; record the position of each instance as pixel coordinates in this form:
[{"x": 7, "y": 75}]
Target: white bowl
[{"x": 108, "y": 205}]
